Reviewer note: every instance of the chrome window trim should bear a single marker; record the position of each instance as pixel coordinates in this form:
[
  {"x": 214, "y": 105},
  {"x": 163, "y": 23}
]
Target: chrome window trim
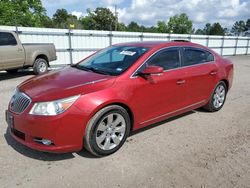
[{"x": 181, "y": 67}]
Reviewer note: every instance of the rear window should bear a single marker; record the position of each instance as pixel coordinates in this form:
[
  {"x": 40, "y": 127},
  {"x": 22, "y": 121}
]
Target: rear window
[
  {"x": 7, "y": 39},
  {"x": 196, "y": 56}
]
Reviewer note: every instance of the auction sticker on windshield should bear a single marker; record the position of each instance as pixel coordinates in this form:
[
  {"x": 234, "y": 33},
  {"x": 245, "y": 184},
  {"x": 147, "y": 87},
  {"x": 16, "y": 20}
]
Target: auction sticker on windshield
[{"x": 125, "y": 52}]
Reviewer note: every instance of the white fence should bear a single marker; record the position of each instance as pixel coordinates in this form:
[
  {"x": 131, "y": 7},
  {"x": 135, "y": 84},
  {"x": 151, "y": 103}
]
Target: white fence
[{"x": 74, "y": 45}]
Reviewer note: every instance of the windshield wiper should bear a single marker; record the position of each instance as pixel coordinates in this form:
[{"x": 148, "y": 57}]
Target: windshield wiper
[
  {"x": 90, "y": 69},
  {"x": 96, "y": 70}
]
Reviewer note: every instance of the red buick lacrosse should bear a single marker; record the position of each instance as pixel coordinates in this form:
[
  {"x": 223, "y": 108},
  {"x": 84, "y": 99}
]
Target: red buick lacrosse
[{"x": 99, "y": 101}]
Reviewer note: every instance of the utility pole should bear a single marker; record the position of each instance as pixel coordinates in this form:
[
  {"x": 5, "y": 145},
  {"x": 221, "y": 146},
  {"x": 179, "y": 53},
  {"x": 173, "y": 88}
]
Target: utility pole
[{"x": 116, "y": 18}]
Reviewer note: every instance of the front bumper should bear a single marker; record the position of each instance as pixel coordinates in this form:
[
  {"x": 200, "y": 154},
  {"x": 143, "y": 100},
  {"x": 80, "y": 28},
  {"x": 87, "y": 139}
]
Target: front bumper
[{"x": 66, "y": 130}]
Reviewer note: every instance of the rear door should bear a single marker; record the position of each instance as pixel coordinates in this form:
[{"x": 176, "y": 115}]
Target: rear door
[
  {"x": 200, "y": 72},
  {"x": 12, "y": 54}
]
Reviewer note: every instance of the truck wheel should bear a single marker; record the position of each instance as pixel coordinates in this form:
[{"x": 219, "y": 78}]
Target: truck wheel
[
  {"x": 40, "y": 66},
  {"x": 12, "y": 71}
]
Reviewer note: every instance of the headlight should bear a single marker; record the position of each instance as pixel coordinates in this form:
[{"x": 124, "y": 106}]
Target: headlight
[{"x": 53, "y": 107}]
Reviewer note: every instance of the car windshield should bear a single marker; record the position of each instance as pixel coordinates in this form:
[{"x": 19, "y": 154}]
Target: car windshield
[{"x": 113, "y": 60}]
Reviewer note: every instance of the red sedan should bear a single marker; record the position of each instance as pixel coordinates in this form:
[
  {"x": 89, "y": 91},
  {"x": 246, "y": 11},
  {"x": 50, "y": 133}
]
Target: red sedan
[{"x": 98, "y": 102}]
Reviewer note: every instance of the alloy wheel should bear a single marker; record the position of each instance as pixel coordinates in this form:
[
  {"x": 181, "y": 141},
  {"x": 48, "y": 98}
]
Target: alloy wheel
[
  {"x": 219, "y": 96},
  {"x": 110, "y": 131}
]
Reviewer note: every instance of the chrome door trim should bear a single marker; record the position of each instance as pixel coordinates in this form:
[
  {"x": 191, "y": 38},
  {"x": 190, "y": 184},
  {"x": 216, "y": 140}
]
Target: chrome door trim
[{"x": 200, "y": 102}]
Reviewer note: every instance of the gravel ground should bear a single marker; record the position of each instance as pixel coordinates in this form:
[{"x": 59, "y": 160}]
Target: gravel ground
[{"x": 197, "y": 149}]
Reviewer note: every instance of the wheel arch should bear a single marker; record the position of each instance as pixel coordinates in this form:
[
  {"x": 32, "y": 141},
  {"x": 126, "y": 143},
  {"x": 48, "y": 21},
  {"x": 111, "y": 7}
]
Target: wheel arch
[
  {"x": 123, "y": 105},
  {"x": 43, "y": 56},
  {"x": 226, "y": 82}
]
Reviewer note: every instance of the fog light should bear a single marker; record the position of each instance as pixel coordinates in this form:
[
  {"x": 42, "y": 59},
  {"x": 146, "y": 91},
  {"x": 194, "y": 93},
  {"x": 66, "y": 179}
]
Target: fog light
[
  {"x": 46, "y": 142},
  {"x": 43, "y": 141}
]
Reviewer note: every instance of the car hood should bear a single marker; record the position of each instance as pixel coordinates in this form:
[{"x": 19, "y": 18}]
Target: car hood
[{"x": 63, "y": 83}]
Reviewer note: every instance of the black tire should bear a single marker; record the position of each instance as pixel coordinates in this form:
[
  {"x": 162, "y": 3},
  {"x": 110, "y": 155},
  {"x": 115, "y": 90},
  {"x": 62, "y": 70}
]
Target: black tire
[
  {"x": 210, "y": 105},
  {"x": 12, "y": 71},
  {"x": 40, "y": 66},
  {"x": 90, "y": 137}
]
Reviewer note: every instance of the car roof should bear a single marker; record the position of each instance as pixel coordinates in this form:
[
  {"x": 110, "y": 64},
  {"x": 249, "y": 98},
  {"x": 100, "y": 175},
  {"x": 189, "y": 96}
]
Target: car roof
[{"x": 158, "y": 44}]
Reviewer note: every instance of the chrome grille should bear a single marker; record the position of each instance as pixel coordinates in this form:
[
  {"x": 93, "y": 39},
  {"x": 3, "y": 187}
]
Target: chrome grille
[{"x": 19, "y": 102}]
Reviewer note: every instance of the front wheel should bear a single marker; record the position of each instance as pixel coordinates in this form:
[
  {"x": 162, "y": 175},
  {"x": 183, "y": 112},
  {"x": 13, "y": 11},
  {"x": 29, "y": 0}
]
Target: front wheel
[
  {"x": 107, "y": 130},
  {"x": 218, "y": 98},
  {"x": 40, "y": 66}
]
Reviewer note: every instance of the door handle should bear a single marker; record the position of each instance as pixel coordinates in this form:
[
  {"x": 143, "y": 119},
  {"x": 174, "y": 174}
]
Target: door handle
[
  {"x": 213, "y": 73},
  {"x": 19, "y": 49},
  {"x": 180, "y": 82}
]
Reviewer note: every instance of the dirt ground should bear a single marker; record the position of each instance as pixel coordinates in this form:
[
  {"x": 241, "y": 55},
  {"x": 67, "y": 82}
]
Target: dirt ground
[{"x": 197, "y": 149}]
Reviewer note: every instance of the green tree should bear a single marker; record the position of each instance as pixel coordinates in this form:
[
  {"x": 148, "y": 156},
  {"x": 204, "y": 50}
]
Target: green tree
[
  {"x": 99, "y": 19},
  {"x": 22, "y": 13},
  {"x": 88, "y": 23},
  {"x": 248, "y": 24},
  {"x": 47, "y": 22},
  {"x": 162, "y": 27},
  {"x": 152, "y": 29},
  {"x": 199, "y": 32},
  {"x": 239, "y": 27},
  {"x": 73, "y": 20},
  {"x": 207, "y": 29},
  {"x": 216, "y": 29},
  {"x": 121, "y": 27},
  {"x": 180, "y": 24},
  {"x": 62, "y": 19},
  {"x": 134, "y": 27}
]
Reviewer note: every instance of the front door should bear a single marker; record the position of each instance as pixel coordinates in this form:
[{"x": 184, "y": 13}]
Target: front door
[{"x": 157, "y": 95}]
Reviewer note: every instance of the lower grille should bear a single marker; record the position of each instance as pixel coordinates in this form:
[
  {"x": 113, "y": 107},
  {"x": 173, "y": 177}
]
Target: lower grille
[
  {"x": 18, "y": 134},
  {"x": 19, "y": 102}
]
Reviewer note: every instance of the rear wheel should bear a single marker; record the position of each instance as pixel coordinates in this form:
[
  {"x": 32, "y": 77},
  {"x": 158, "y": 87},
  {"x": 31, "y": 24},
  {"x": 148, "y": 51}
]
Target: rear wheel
[
  {"x": 218, "y": 98},
  {"x": 107, "y": 130},
  {"x": 40, "y": 66}
]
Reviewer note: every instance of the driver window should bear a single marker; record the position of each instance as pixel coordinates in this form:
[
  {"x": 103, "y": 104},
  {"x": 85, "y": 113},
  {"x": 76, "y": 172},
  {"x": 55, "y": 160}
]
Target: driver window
[{"x": 167, "y": 59}]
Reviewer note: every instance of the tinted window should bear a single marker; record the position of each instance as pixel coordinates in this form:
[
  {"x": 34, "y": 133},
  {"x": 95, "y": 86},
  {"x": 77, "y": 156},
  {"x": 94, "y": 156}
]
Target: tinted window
[
  {"x": 196, "y": 56},
  {"x": 7, "y": 39},
  {"x": 167, "y": 59}
]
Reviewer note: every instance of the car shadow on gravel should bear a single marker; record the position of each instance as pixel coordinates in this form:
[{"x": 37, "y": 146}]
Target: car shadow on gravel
[
  {"x": 8, "y": 76},
  {"x": 33, "y": 153},
  {"x": 38, "y": 155},
  {"x": 43, "y": 156}
]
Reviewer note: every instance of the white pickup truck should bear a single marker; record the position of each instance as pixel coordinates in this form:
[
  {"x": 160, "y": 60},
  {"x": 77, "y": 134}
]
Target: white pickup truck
[{"x": 15, "y": 55}]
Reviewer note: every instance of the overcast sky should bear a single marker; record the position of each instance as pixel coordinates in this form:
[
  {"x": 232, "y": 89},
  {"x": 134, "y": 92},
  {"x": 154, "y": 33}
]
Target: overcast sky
[{"x": 148, "y": 12}]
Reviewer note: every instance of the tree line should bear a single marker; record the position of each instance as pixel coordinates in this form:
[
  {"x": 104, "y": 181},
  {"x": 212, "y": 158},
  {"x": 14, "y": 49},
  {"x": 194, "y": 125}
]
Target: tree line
[{"x": 31, "y": 13}]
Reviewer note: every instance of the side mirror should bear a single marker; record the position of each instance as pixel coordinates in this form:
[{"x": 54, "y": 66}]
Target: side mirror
[{"x": 151, "y": 70}]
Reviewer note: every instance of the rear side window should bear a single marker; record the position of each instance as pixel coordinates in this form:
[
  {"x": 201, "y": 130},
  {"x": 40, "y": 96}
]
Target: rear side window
[
  {"x": 196, "y": 56},
  {"x": 7, "y": 39},
  {"x": 167, "y": 59}
]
